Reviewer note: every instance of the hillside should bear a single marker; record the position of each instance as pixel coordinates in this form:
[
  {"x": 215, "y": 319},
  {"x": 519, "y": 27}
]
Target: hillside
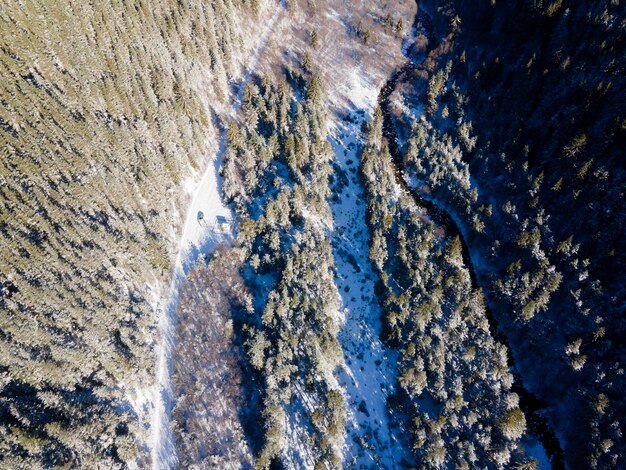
[{"x": 312, "y": 234}]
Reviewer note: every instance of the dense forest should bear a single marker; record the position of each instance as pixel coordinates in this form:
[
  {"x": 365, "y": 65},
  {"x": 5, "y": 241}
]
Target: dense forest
[
  {"x": 454, "y": 382},
  {"x": 521, "y": 138},
  {"x": 276, "y": 175},
  {"x": 101, "y": 120},
  {"x": 417, "y": 260}
]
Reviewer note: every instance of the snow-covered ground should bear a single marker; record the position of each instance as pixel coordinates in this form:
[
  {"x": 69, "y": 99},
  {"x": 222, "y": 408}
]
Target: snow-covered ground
[
  {"x": 370, "y": 371},
  {"x": 201, "y": 233},
  {"x": 370, "y": 368},
  {"x": 534, "y": 449}
]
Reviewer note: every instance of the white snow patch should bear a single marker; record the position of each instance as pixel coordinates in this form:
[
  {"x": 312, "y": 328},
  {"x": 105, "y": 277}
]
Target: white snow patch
[
  {"x": 414, "y": 113},
  {"x": 535, "y": 450},
  {"x": 369, "y": 371},
  {"x": 189, "y": 184},
  {"x": 297, "y": 454},
  {"x": 140, "y": 398},
  {"x": 360, "y": 90}
]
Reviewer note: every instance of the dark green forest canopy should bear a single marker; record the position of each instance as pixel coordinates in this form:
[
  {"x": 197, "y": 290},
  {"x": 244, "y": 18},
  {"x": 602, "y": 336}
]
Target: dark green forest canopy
[
  {"x": 522, "y": 139},
  {"x": 501, "y": 319},
  {"x": 99, "y": 123}
]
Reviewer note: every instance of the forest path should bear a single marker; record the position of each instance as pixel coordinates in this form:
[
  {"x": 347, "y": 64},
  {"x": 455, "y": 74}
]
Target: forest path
[{"x": 201, "y": 234}]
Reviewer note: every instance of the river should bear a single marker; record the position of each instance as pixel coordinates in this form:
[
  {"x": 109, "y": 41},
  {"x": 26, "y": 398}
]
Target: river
[{"x": 534, "y": 409}]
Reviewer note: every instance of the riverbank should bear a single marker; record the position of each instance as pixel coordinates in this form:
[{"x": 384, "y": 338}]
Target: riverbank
[{"x": 533, "y": 408}]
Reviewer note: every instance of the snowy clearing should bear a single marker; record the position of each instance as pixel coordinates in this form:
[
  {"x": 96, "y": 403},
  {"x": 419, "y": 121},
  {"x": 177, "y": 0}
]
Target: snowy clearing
[{"x": 370, "y": 368}]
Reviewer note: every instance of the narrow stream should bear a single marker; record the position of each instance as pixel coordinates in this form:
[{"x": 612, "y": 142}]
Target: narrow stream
[{"x": 533, "y": 407}]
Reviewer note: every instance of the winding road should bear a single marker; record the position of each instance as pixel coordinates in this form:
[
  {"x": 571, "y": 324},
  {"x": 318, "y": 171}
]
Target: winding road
[{"x": 201, "y": 234}]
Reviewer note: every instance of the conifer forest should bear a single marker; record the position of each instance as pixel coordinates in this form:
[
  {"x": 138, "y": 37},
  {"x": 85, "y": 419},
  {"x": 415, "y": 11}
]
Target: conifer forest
[{"x": 313, "y": 234}]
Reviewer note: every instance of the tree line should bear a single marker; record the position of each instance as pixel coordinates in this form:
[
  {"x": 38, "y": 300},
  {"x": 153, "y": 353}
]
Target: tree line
[{"x": 276, "y": 176}]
